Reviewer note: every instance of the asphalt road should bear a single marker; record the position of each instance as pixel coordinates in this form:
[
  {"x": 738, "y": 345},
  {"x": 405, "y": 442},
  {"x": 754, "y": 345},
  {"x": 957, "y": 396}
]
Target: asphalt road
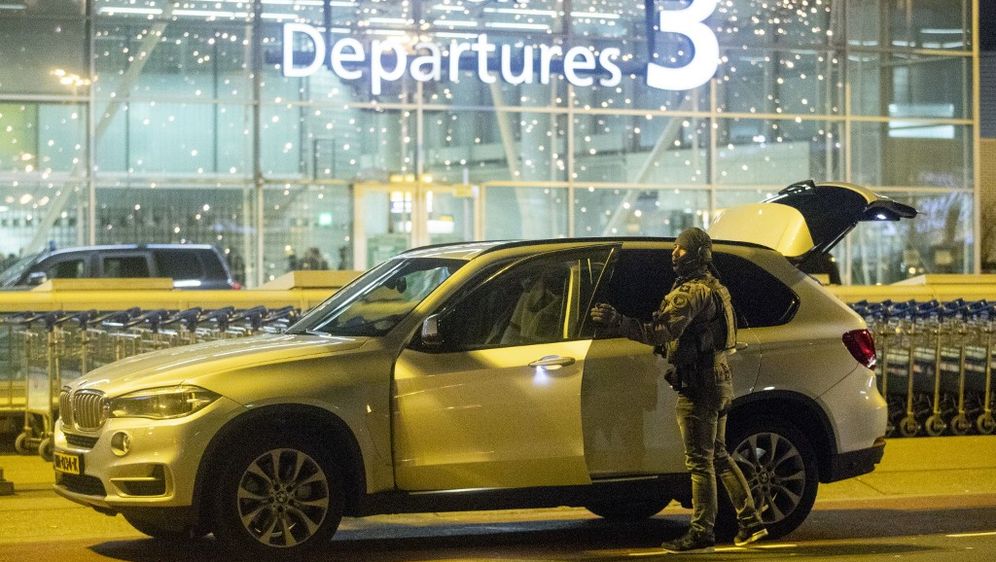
[{"x": 39, "y": 526}]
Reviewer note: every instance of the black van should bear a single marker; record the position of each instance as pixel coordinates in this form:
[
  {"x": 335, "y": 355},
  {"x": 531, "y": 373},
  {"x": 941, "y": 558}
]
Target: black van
[{"x": 191, "y": 266}]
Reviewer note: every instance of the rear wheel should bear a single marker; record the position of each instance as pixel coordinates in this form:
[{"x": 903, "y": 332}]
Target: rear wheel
[
  {"x": 278, "y": 497},
  {"x": 628, "y": 511},
  {"x": 781, "y": 471}
]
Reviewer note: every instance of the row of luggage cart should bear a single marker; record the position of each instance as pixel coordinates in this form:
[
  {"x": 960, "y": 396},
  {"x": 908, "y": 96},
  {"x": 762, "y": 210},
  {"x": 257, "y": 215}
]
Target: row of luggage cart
[
  {"x": 934, "y": 364},
  {"x": 39, "y": 352}
]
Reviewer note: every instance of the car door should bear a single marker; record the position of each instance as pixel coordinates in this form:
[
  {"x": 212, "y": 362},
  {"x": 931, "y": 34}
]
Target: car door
[
  {"x": 497, "y": 401},
  {"x": 628, "y": 408}
]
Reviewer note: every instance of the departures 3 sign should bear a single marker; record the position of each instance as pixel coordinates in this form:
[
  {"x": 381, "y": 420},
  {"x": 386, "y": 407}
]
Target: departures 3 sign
[{"x": 388, "y": 60}]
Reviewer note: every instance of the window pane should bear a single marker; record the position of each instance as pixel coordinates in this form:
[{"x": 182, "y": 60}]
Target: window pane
[
  {"x": 901, "y": 154},
  {"x": 42, "y": 137},
  {"x": 40, "y": 213},
  {"x": 907, "y": 85},
  {"x": 195, "y": 63},
  {"x": 307, "y": 226},
  {"x": 42, "y": 56},
  {"x": 125, "y": 266},
  {"x": 638, "y": 212},
  {"x": 129, "y": 213},
  {"x": 468, "y": 146},
  {"x": 781, "y": 81},
  {"x": 756, "y": 151},
  {"x": 938, "y": 240},
  {"x": 924, "y": 24},
  {"x": 525, "y": 212},
  {"x": 641, "y": 149}
]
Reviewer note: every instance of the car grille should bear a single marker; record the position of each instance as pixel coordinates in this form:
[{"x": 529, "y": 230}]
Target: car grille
[
  {"x": 81, "y": 441},
  {"x": 82, "y": 484},
  {"x": 83, "y": 409}
]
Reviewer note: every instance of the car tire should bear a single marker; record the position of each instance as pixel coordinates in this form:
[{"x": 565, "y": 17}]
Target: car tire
[
  {"x": 164, "y": 532},
  {"x": 780, "y": 467},
  {"x": 628, "y": 511},
  {"x": 277, "y": 497}
]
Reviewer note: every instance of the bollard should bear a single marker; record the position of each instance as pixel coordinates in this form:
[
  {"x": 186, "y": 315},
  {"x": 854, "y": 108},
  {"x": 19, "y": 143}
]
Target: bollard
[{"x": 6, "y": 487}]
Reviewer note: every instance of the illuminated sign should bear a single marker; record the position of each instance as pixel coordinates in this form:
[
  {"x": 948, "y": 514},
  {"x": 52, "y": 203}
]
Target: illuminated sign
[{"x": 388, "y": 60}]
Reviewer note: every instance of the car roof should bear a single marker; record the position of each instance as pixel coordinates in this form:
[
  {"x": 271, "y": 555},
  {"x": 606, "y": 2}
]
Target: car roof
[
  {"x": 127, "y": 247},
  {"x": 470, "y": 250}
]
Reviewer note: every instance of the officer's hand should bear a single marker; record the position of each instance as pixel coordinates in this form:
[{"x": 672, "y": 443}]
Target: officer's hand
[{"x": 605, "y": 315}]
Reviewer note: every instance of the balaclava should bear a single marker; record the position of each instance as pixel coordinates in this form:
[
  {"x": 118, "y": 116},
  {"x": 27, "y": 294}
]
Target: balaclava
[{"x": 698, "y": 252}]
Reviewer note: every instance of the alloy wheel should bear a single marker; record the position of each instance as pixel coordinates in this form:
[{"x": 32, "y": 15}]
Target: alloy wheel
[{"x": 283, "y": 498}]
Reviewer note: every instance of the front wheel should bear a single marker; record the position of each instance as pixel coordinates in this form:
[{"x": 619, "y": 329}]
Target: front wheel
[
  {"x": 781, "y": 471},
  {"x": 628, "y": 511},
  {"x": 278, "y": 497}
]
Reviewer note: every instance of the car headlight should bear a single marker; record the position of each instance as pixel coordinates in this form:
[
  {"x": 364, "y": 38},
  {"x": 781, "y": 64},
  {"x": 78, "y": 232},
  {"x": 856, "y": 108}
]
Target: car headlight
[{"x": 161, "y": 403}]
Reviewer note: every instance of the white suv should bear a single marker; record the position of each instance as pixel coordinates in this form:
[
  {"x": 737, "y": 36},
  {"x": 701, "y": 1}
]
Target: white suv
[{"x": 468, "y": 376}]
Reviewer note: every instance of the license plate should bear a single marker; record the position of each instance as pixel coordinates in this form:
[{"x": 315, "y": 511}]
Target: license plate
[{"x": 68, "y": 464}]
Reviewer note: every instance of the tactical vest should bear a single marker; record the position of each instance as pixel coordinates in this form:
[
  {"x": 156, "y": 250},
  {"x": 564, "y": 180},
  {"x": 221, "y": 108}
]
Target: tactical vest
[{"x": 704, "y": 337}]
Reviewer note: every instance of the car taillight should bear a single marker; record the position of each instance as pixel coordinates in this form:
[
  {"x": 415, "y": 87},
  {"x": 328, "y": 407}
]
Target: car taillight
[{"x": 861, "y": 344}]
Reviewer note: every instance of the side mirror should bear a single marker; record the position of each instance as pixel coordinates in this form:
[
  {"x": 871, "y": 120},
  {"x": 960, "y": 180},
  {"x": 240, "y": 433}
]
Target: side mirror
[
  {"x": 37, "y": 278},
  {"x": 430, "y": 331}
]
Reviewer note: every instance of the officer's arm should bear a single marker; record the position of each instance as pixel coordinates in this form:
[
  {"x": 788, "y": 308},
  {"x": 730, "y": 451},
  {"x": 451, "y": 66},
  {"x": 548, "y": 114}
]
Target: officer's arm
[{"x": 677, "y": 310}]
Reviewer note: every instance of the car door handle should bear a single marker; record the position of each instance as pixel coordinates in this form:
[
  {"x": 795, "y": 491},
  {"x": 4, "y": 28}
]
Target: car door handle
[
  {"x": 554, "y": 361},
  {"x": 741, "y": 345}
]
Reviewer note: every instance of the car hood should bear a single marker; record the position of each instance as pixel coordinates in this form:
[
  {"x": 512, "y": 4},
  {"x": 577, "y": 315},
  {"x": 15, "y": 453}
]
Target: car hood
[
  {"x": 186, "y": 364},
  {"x": 807, "y": 218}
]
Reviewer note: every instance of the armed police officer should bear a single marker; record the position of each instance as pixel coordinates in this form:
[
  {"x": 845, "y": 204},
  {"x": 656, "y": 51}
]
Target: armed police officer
[{"x": 695, "y": 328}]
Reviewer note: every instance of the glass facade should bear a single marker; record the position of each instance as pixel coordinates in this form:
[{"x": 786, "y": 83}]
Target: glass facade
[{"x": 363, "y": 127}]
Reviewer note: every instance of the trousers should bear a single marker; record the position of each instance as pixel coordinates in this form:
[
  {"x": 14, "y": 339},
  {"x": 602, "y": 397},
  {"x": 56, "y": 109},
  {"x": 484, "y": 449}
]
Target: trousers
[{"x": 703, "y": 430}]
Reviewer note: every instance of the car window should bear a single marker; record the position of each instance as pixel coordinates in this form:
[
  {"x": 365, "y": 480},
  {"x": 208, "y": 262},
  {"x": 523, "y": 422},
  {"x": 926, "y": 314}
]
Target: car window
[
  {"x": 178, "y": 264},
  {"x": 125, "y": 266},
  {"x": 66, "y": 269},
  {"x": 640, "y": 279},
  {"x": 374, "y": 303},
  {"x": 12, "y": 274},
  {"x": 758, "y": 296},
  {"x": 541, "y": 301}
]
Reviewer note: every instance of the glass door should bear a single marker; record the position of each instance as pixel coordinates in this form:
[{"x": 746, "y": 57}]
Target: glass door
[{"x": 390, "y": 217}]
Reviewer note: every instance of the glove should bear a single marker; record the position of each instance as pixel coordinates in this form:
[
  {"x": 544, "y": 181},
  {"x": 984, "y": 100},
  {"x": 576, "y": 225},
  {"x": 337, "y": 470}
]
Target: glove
[{"x": 605, "y": 315}]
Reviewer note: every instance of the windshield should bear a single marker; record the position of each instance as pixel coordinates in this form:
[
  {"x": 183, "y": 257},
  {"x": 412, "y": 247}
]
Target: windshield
[
  {"x": 13, "y": 273},
  {"x": 375, "y": 303}
]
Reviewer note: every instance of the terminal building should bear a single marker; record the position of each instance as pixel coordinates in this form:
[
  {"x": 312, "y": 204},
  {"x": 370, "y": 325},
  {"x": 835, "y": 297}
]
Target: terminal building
[{"x": 335, "y": 133}]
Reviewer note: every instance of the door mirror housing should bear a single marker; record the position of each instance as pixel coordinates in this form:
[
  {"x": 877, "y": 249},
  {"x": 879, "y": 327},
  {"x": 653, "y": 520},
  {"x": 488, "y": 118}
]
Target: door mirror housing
[
  {"x": 37, "y": 278},
  {"x": 430, "y": 332}
]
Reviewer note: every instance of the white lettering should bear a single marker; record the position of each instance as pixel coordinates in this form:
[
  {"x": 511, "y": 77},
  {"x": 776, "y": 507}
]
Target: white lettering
[
  {"x": 456, "y": 49},
  {"x": 705, "y": 61},
  {"x": 483, "y": 48},
  {"x": 288, "y": 64},
  {"x": 339, "y": 55},
  {"x": 572, "y": 65},
  {"x": 389, "y": 60},
  {"x": 605, "y": 58},
  {"x": 377, "y": 70},
  {"x": 526, "y": 74},
  {"x": 547, "y": 53},
  {"x": 433, "y": 61}
]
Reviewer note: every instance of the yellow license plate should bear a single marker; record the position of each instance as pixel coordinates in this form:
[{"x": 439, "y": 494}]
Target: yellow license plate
[{"x": 68, "y": 464}]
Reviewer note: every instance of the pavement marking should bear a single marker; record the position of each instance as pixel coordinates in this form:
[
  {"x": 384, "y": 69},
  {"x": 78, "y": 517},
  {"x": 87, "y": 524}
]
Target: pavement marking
[
  {"x": 658, "y": 551},
  {"x": 964, "y": 535}
]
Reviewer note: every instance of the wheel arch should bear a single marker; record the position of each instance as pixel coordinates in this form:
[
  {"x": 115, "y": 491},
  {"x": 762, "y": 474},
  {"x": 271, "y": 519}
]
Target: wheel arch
[
  {"x": 316, "y": 424},
  {"x": 798, "y": 410}
]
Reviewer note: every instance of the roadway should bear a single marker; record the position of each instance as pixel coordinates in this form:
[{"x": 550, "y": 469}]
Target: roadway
[{"x": 932, "y": 499}]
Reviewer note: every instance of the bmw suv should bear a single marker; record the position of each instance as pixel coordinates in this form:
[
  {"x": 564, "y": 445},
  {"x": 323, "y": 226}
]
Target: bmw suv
[{"x": 468, "y": 376}]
